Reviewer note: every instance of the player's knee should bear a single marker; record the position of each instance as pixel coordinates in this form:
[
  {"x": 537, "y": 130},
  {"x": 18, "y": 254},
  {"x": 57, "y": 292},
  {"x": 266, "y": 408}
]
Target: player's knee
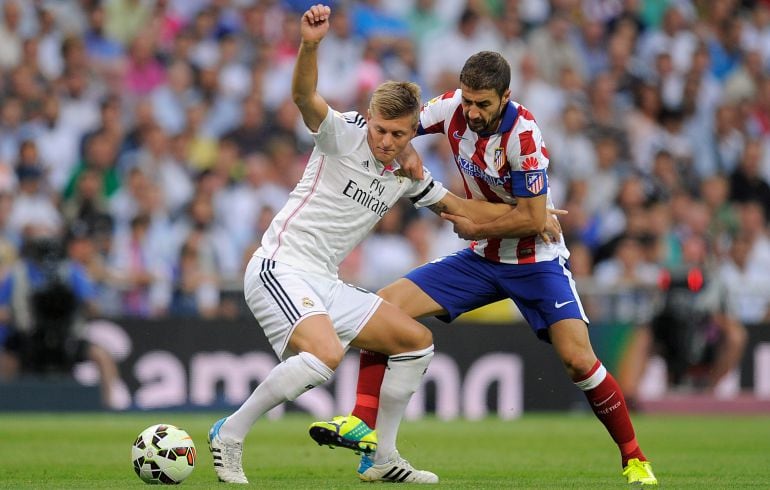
[
  {"x": 331, "y": 354},
  {"x": 419, "y": 337},
  {"x": 388, "y": 293},
  {"x": 578, "y": 363}
]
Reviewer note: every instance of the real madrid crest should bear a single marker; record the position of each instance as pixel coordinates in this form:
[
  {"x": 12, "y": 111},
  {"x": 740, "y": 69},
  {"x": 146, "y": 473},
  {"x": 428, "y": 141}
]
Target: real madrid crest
[{"x": 307, "y": 303}]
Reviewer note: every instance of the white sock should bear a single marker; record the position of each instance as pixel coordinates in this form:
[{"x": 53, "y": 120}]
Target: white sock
[
  {"x": 286, "y": 381},
  {"x": 402, "y": 378}
]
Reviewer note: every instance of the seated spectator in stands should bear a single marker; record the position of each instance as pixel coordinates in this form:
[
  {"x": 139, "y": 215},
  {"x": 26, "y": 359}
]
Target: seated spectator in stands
[
  {"x": 195, "y": 289},
  {"x": 88, "y": 242},
  {"x": 695, "y": 329},
  {"x": 746, "y": 181},
  {"x": 252, "y": 133},
  {"x": 46, "y": 299},
  {"x": 88, "y": 199},
  {"x": 749, "y": 287},
  {"x": 32, "y": 206},
  {"x": 139, "y": 267},
  {"x": 100, "y": 156}
]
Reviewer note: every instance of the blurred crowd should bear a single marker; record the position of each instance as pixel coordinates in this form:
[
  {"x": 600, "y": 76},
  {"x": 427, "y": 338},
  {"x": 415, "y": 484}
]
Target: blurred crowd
[{"x": 157, "y": 138}]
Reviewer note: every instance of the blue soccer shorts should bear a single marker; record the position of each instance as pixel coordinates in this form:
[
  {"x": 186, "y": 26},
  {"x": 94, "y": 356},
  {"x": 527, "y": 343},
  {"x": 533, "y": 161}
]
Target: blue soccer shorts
[{"x": 544, "y": 292}]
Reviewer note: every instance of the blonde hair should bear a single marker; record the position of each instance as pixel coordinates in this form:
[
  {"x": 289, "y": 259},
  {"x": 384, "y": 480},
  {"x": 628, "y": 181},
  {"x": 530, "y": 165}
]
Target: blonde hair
[{"x": 392, "y": 100}]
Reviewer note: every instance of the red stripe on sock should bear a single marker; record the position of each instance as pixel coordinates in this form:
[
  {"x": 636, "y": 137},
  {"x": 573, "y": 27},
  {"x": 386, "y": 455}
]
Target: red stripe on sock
[{"x": 371, "y": 370}]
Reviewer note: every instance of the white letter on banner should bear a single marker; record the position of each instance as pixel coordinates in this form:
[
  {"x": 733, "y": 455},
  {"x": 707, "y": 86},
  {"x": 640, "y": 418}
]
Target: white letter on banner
[
  {"x": 162, "y": 380},
  {"x": 445, "y": 373},
  {"x": 236, "y": 372},
  {"x": 506, "y": 370},
  {"x": 762, "y": 370}
]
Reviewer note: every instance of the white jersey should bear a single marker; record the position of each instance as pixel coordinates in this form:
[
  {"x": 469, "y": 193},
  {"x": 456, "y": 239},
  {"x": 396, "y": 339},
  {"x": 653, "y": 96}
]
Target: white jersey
[
  {"x": 497, "y": 167},
  {"x": 342, "y": 194}
]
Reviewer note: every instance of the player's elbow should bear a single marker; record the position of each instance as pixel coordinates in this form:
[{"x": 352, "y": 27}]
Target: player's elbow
[{"x": 300, "y": 99}]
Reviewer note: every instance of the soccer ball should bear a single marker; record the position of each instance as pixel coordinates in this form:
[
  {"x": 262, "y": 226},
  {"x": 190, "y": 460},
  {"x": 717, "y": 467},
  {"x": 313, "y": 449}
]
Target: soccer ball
[{"x": 163, "y": 453}]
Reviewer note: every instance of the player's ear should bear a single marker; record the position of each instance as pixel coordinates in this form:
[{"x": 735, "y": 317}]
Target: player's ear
[{"x": 506, "y": 96}]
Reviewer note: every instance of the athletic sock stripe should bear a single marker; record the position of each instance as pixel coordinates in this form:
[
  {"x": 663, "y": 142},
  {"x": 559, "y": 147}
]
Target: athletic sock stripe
[
  {"x": 268, "y": 280},
  {"x": 404, "y": 358}
]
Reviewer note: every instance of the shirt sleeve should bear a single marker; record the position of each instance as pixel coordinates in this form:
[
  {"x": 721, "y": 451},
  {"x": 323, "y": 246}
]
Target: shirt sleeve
[
  {"x": 426, "y": 192},
  {"x": 529, "y": 160},
  {"x": 339, "y": 133},
  {"x": 434, "y": 113}
]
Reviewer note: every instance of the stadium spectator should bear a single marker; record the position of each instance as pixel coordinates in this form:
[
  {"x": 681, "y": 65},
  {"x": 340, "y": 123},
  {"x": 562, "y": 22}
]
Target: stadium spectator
[
  {"x": 46, "y": 299},
  {"x": 126, "y": 18},
  {"x": 746, "y": 181},
  {"x": 171, "y": 99},
  {"x": 511, "y": 257},
  {"x": 251, "y": 134},
  {"x": 10, "y": 35},
  {"x": 748, "y": 287},
  {"x": 695, "y": 329},
  {"x": 555, "y": 45},
  {"x": 195, "y": 285},
  {"x": 33, "y": 207},
  {"x": 140, "y": 271},
  {"x": 472, "y": 33}
]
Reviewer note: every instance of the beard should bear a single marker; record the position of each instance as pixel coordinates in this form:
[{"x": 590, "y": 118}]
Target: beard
[{"x": 482, "y": 126}]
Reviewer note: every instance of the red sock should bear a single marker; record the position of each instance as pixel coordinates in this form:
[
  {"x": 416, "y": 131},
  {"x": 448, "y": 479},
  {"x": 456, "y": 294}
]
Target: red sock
[
  {"x": 371, "y": 370},
  {"x": 607, "y": 402}
]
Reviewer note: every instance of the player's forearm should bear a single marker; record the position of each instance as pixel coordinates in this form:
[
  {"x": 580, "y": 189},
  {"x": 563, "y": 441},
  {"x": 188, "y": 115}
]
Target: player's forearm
[
  {"x": 475, "y": 210},
  {"x": 305, "y": 77},
  {"x": 512, "y": 224}
]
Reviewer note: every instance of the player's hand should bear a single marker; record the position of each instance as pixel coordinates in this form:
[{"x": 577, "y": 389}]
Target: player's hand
[
  {"x": 552, "y": 231},
  {"x": 465, "y": 228},
  {"x": 411, "y": 163},
  {"x": 315, "y": 23}
]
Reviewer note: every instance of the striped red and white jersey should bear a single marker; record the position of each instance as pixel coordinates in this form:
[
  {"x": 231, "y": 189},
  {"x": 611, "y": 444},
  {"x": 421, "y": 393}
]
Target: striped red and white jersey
[{"x": 497, "y": 167}]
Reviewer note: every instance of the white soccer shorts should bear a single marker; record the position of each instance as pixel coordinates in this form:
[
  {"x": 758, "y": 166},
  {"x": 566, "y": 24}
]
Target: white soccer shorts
[{"x": 280, "y": 296}]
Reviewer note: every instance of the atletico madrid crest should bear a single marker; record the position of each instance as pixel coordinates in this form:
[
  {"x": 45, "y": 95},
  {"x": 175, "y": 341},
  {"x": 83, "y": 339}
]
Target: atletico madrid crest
[
  {"x": 499, "y": 158},
  {"x": 534, "y": 181}
]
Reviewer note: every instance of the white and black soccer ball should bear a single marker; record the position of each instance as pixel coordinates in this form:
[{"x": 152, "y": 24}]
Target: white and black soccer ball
[{"x": 163, "y": 453}]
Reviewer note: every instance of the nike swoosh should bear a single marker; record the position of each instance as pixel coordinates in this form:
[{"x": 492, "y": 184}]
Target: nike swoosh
[
  {"x": 604, "y": 401},
  {"x": 559, "y": 305},
  {"x": 456, "y": 135}
]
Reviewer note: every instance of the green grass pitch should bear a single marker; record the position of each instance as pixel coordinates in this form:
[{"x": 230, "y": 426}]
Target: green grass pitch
[{"x": 551, "y": 451}]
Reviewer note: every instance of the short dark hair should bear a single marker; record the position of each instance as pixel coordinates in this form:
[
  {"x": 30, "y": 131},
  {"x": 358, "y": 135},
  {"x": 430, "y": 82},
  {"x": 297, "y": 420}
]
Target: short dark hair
[{"x": 486, "y": 70}]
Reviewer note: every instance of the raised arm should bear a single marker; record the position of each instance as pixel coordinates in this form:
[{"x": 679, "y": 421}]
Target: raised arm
[{"x": 315, "y": 25}]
